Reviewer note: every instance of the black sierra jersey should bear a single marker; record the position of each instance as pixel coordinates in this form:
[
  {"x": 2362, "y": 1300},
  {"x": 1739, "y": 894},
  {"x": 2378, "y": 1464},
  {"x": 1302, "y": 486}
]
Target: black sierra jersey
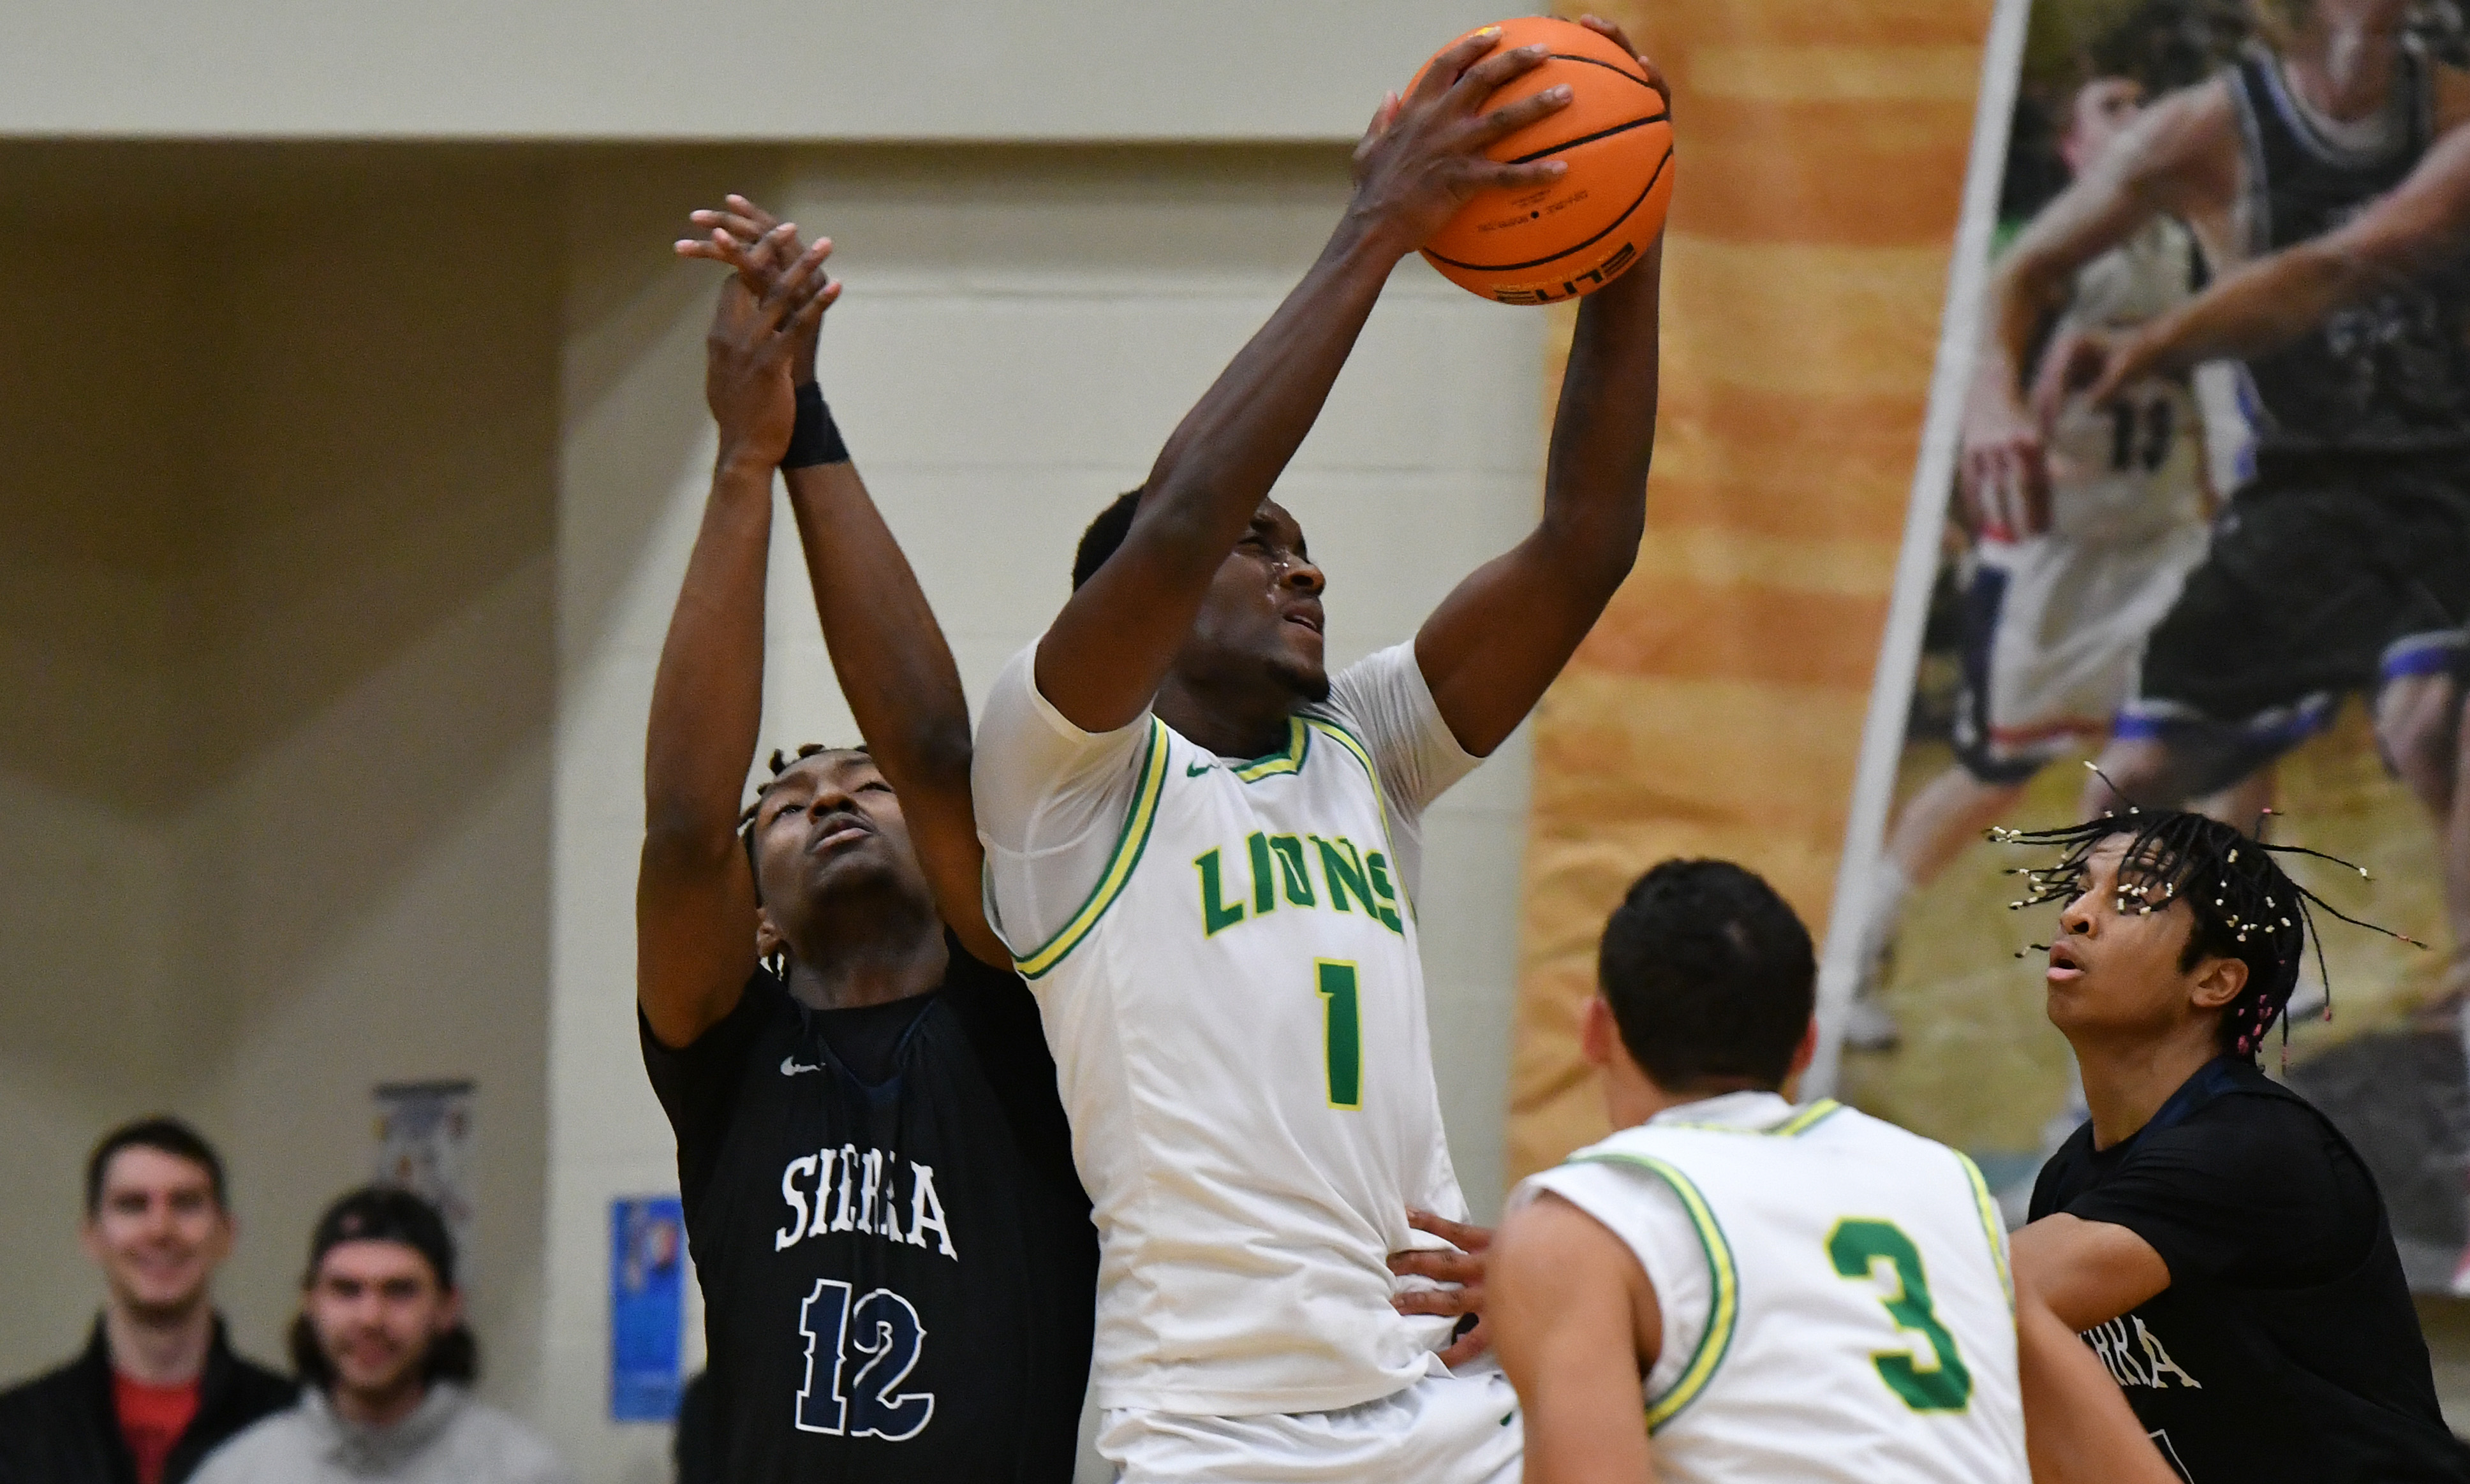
[
  {"x": 896, "y": 1255},
  {"x": 2390, "y": 375},
  {"x": 2286, "y": 1347}
]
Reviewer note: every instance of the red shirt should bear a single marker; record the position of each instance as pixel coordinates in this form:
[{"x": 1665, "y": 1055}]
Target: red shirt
[{"x": 151, "y": 1419}]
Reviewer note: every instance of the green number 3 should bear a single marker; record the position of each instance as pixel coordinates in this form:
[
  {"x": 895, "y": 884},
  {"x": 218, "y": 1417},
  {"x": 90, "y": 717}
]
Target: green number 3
[{"x": 1858, "y": 1244}]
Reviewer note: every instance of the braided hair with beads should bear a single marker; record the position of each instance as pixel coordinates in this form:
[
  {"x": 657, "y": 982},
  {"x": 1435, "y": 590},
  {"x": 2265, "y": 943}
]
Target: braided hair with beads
[{"x": 2244, "y": 906}]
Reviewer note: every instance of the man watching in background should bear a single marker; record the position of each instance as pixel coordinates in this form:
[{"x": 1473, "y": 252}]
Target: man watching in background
[
  {"x": 382, "y": 1343},
  {"x": 159, "y": 1386}
]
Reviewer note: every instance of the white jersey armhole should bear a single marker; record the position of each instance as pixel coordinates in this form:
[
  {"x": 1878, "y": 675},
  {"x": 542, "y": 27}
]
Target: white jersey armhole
[{"x": 1659, "y": 1215}]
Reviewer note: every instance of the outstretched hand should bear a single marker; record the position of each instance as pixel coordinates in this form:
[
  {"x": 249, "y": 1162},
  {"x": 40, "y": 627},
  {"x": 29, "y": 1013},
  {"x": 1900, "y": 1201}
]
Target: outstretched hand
[
  {"x": 1462, "y": 1268},
  {"x": 730, "y": 237},
  {"x": 1424, "y": 156},
  {"x": 768, "y": 313}
]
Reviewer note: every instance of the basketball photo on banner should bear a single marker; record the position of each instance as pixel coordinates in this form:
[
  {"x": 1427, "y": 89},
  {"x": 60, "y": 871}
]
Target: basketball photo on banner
[{"x": 2205, "y": 545}]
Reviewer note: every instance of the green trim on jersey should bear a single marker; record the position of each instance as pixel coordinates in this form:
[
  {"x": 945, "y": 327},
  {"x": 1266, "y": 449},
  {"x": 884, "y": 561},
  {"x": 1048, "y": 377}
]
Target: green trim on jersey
[
  {"x": 1793, "y": 1127},
  {"x": 1362, "y": 755},
  {"x": 1128, "y": 845},
  {"x": 1723, "y": 1313},
  {"x": 1289, "y": 760},
  {"x": 1807, "y": 1118},
  {"x": 1993, "y": 1226}
]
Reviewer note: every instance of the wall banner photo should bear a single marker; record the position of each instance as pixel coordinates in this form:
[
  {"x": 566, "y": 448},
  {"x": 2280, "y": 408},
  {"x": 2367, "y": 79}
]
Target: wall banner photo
[{"x": 2195, "y": 514}]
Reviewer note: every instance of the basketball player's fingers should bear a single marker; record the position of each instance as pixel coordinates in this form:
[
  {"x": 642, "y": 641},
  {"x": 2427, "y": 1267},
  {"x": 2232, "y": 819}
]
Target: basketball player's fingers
[
  {"x": 1470, "y": 91},
  {"x": 1611, "y": 31},
  {"x": 1440, "y": 1303},
  {"x": 1443, "y": 71},
  {"x": 1503, "y": 122},
  {"x": 1383, "y": 116},
  {"x": 1466, "y": 1346},
  {"x": 1457, "y": 1234},
  {"x": 742, "y": 207},
  {"x": 786, "y": 285},
  {"x": 744, "y": 228},
  {"x": 810, "y": 312},
  {"x": 1510, "y": 178},
  {"x": 1441, "y": 1266}
]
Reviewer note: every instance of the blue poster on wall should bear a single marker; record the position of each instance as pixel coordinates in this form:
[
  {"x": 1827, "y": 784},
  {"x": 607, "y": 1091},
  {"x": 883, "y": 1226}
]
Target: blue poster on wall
[{"x": 648, "y": 1263}]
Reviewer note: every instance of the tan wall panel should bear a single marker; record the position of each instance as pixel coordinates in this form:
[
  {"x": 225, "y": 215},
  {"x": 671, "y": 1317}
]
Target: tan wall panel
[{"x": 1717, "y": 708}]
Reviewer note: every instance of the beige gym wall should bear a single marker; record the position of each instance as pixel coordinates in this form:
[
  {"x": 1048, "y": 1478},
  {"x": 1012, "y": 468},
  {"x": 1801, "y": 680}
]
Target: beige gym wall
[{"x": 275, "y": 691}]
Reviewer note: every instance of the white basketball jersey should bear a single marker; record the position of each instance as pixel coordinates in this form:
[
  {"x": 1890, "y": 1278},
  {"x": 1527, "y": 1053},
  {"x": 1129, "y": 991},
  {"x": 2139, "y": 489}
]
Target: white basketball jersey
[
  {"x": 1237, "y": 1016},
  {"x": 2130, "y": 467},
  {"x": 1837, "y": 1303}
]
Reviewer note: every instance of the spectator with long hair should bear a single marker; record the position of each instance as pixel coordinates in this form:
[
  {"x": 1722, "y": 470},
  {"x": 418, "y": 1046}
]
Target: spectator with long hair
[{"x": 386, "y": 1362}]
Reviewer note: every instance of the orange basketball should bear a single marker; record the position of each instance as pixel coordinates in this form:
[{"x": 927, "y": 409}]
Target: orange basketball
[{"x": 1576, "y": 234}]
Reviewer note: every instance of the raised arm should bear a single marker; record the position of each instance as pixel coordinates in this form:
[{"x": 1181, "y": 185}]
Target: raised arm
[
  {"x": 2072, "y": 1275},
  {"x": 695, "y": 893},
  {"x": 1572, "y": 1311},
  {"x": 1102, "y": 659},
  {"x": 2179, "y": 157},
  {"x": 2421, "y": 226},
  {"x": 1496, "y": 642},
  {"x": 888, "y": 652}
]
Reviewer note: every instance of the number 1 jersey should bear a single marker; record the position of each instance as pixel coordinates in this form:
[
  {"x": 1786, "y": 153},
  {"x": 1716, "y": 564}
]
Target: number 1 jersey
[{"x": 1225, "y": 956}]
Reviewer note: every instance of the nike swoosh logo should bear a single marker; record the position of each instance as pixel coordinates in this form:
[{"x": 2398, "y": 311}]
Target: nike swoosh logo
[
  {"x": 791, "y": 1066},
  {"x": 1195, "y": 770}
]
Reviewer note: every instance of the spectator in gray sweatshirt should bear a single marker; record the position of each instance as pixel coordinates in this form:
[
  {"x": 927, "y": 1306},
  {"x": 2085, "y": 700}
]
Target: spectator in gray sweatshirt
[{"x": 384, "y": 1359}]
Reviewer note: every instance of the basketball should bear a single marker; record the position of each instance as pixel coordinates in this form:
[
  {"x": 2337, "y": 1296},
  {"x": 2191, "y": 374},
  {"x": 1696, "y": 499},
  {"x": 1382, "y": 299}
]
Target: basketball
[{"x": 1542, "y": 243}]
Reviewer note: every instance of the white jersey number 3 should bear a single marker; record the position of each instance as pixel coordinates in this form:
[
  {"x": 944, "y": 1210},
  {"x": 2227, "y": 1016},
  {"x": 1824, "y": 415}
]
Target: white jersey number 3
[
  {"x": 1860, "y": 1247},
  {"x": 870, "y": 1347}
]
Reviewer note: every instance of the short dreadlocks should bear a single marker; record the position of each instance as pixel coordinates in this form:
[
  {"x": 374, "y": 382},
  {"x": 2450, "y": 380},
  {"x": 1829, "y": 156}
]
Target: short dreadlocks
[{"x": 2243, "y": 905}]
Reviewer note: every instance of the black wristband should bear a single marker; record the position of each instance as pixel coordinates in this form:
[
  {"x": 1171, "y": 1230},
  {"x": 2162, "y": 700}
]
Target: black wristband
[{"x": 814, "y": 440}]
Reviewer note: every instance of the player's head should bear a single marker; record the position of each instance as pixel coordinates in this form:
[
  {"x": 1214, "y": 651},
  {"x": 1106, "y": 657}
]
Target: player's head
[
  {"x": 380, "y": 1313},
  {"x": 2099, "y": 113},
  {"x": 2170, "y": 919},
  {"x": 156, "y": 1219},
  {"x": 825, "y": 828},
  {"x": 1260, "y": 622},
  {"x": 1707, "y": 977}
]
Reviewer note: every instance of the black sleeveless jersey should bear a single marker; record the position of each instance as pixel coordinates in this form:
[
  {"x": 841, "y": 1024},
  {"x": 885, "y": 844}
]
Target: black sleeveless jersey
[
  {"x": 2286, "y": 1347},
  {"x": 897, "y": 1265},
  {"x": 2390, "y": 375}
]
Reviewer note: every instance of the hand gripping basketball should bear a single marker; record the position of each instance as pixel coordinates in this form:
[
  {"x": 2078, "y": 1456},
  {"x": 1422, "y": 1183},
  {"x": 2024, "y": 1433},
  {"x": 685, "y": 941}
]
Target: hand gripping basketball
[
  {"x": 1571, "y": 233},
  {"x": 1426, "y": 155}
]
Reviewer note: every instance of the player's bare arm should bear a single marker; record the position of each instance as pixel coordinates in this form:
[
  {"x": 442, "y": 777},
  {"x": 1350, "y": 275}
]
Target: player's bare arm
[
  {"x": 2181, "y": 158},
  {"x": 2070, "y": 1276},
  {"x": 2422, "y": 226},
  {"x": 1577, "y": 1325},
  {"x": 1485, "y": 673},
  {"x": 1102, "y": 660},
  {"x": 888, "y": 652},
  {"x": 694, "y": 893}
]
